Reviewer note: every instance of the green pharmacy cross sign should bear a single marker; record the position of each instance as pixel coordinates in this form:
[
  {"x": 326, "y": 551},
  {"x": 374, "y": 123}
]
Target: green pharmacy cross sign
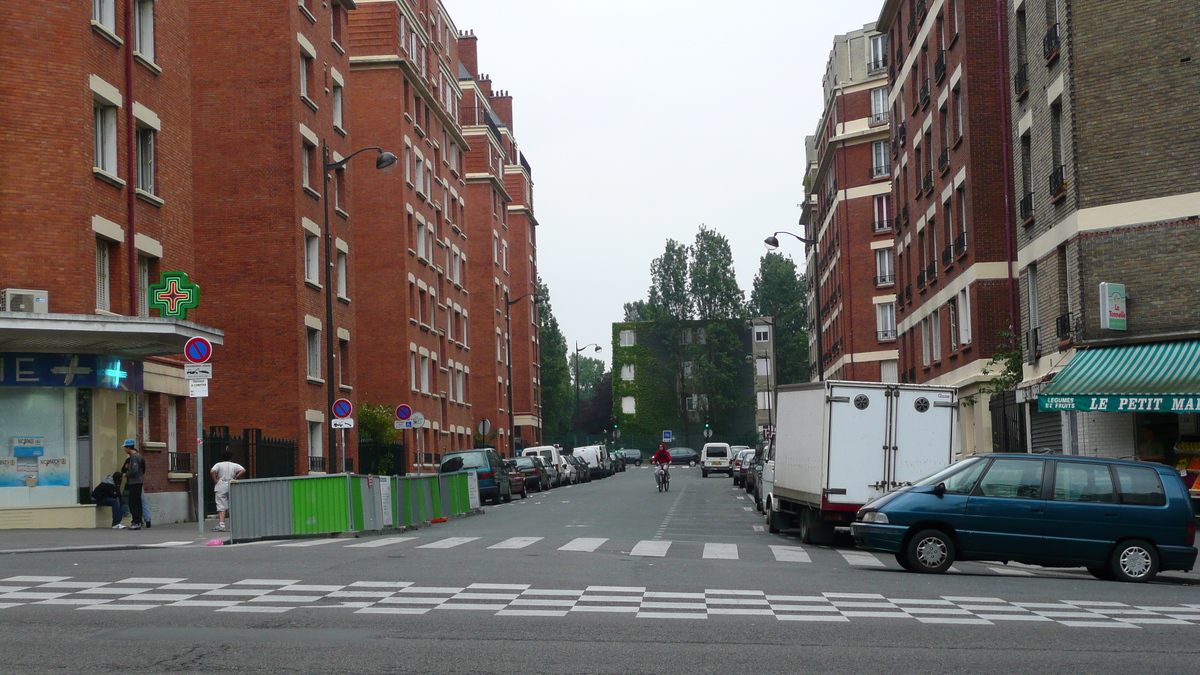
[{"x": 174, "y": 295}]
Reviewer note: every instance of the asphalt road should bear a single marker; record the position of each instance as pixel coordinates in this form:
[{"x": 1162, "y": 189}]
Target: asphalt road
[{"x": 611, "y": 576}]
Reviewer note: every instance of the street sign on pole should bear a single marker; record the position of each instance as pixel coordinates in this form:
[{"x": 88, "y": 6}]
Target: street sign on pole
[
  {"x": 197, "y": 371},
  {"x": 342, "y": 409},
  {"x": 418, "y": 420},
  {"x": 484, "y": 427},
  {"x": 708, "y": 433},
  {"x": 403, "y": 412},
  {"x": 197, "y": 388},
  {"x": 342, "y": 423},
  {"x": 668, "y": 436},
  {"x": 197, "y": 350}
]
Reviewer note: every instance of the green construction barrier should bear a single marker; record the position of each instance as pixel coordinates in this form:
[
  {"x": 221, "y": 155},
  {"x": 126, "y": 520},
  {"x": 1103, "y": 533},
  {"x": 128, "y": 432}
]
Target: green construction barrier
[{"x": 319, "y": 505}]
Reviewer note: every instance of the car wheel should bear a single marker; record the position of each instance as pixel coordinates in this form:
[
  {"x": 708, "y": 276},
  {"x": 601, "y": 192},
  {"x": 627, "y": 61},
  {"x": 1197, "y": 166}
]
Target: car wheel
[
  {"x": 902, "y": 558},
  {"x": 1134, "y": 561},
  {"x": 1101, "y": 572},
  {"x": 930, "y": 552},
  {"x": 508, "y": 495},
  {"x": 692, "y": 463}
]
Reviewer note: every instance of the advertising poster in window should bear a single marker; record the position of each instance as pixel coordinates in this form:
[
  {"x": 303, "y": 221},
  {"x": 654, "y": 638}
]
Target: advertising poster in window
[
  {"x": 54, "y": 471},
  {"x": 8, "y": 473},
  {"x": 28, "y": 446}
]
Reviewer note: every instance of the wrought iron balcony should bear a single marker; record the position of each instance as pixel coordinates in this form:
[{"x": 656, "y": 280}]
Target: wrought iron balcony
[
  {"x": 1033, "y": 347},
  {"x": 877, "y": 65},
  {"x": 886, "y": 334},
  {"x": 881, "y": 226},
  {"x": 179, "y": 462},
  {"x": 1027, "y": 206},
  {"x": 943, "y": 160},
  {"x": 885, "y": 279},
  {"x": 960, "y": 244},
  {"x": 880, "y": 117},
  {"x": 1051, "y": 43},
  {"x": 927, "y": 182},
  {"x": 919, "y": 9},
  {"x": 1058, "y": 181},
  {"x": 316, "y": 464},
  {"x": 908, "y": 293},
  {"x": 904, "y": 214},
  {"x": 931, "y": 272},
  {"x": 921, "y": 279},
  {"x": 948, "y": 255},
  {"x": 902, "y": 133},
  {"x": 939, "y": 66},
  {"x": 1064, "y": 327},
  {"x": 881, "y": 171},
  {"x": 1021, "y": 79},
  {"x": 923, "y": 94}
]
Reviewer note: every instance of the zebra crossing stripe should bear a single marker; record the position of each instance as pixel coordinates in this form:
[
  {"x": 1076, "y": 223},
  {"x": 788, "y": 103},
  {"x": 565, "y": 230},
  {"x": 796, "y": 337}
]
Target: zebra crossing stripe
[
  {"x": 860, "y": 559},
  {"x": 449, "y": 542},
  {"x": 517, "y": 542},
  {"x": 384, "y": 541},
  {"x": 310, "y": 542},
  {"x": 652, "y": 549},
  {"x": 584, "y": 544},
  {"x": 721, "y": 551},
  {"x": 790, "y": 554}
]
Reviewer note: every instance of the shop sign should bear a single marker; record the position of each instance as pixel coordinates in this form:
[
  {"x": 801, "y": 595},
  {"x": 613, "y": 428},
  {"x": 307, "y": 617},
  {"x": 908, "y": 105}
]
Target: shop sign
[
  {"x": 1112, "y": 307},
  {"x": 85, "y": 371},
  {"x": 1166, "y": 404},
  {"x": 54, "y": 471},
  {"x": 9, "y": 477},
  {"x": 28, "y": 446}
]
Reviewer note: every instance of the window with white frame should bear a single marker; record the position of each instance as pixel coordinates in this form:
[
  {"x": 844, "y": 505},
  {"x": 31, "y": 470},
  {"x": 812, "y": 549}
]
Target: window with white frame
[
  {"x": 337, "y": 107},
  {"x": 627, "y": 372},
  {"x": 504, "y": 256},
  {"x": 104, "y": 13},
  {"x": 143, "y": 28},
  {"x": 885, "y": 267},
  {"x": 961, "y": 194},
  {"x": 306, "y": 73},
  {"x": 628, "y": 405},
  {"x": 343, "y": 359},
  {"x": 143, "y": 276},
  {"x": 628, "y": 338},
  {"x": 314, "y": 353},
  {"x": 103, "y": 299},
  {"x": 408, "y": 164},
  {"x": 412, "y": 371},
  {"x": 882, "y": 212},
  {"x": 935, "y": 334},
  {"x": 1034, "y": 296},
  {"x": 762, "y": 366},
  {"x": 878, "y": 56},
  {"x": 343, "y": 289},
  {"x": 424, "y": 374},
  {"x": 465, "y": 323},
  {"x": 499, "y": 349},
  {"x": 762, "y": 333},
  {"x": 308, "y": 162},
  {"x": 495, "y": 248},
  {"x": 315, "y": 436},
  {"x": 879, "y": 105},
  {"x": 312, "y": 264},
  {"x": 421, "y": 239},
  {"x": 105, "y": 117},
  {"x": 145, "y": 159},
  {"x": 764, "y": 400},
  {"x": 964, "y": 317},
  {"x": 461, "y": 389},
  {"x": 925, "y": 342},
  {"x": 885, "y": 320},
  {"x": 880, "y": 163},
  {"x": 688, "y": 367},
  {"x": 952, "y": 322},
  {"x": 420, "y": 175}
]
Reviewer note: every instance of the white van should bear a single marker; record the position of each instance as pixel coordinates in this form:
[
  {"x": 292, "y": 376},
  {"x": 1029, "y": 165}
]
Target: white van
[
  {"x": 716, "y": 458},
  {"x": 597, "y": 459},
  {"x": 553, "y": 459}
]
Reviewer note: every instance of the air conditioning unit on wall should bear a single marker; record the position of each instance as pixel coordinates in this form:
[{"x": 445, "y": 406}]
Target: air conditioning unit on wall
[{"x": 24, "y": 300}]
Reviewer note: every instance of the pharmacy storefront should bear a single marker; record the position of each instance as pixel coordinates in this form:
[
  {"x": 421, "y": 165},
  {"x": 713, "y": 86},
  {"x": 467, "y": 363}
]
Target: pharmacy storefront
[{"x": 64, "y": 413}]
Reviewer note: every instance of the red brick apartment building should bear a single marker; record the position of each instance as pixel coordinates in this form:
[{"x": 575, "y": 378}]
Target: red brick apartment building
[
  {"x": 852, "y": 266},
  {"x": 410, "y": 234},
  {"x": 270, "y": 83},
  {"x": 954, "y": 245},
  {"x": 502, "y": 268},
  {"x": 99, "y": 205}
]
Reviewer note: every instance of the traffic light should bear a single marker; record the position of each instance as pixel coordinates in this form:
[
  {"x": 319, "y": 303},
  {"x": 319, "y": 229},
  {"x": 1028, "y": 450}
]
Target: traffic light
[{"x": 707, "y": 423}]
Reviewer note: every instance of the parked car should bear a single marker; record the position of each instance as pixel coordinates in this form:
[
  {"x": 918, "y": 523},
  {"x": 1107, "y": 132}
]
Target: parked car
[
  {"x": 598, "y": 461},
  {"x": 494, "y": 483},
  {"x": 618, "y": 461},
  {"x": 534, "y": 471},
  {"x": 715, "y": 458},
  {"x": 753, "y": 471},
  {"x": 741, "y": 462},
  {"x": 631, "y": 456},
  {"x": 581, "y": 469},
  {"x": 683, "y": 455},
  {"x": 1123, "y": 520},
  {"x": 567, "y": 471},
  {"x": 516, "y": 477},
  {"x": 549, "y": 455}
]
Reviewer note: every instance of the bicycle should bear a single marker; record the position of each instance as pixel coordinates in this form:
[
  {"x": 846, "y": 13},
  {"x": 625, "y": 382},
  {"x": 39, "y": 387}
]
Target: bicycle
[{"x": 662, "y": 477}]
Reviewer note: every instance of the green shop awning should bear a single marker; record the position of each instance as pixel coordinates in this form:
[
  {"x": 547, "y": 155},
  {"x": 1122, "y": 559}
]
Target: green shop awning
[{"x": 1155, "y": 377}]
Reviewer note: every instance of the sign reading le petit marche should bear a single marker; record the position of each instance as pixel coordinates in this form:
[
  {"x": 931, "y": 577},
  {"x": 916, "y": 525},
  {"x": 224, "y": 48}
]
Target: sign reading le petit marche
[{"x": 1173, "y": 404}]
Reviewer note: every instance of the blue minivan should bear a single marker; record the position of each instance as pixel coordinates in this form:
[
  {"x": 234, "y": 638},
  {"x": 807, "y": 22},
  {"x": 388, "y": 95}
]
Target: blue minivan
[
  {"x": 494, "y": 484},
  {"x": 1122, "y": 520}
]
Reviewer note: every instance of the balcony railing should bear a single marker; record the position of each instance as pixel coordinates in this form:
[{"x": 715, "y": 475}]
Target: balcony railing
[
  {"x": 943, "y": 160},
  {"x": 316, "y": 464},
  {"x": 886, "y": 334},
  {"x": 960, "y": 244},
  {"x": 921, "y": 279},
  {"x": 931, "y": 272},
  {"x": 923, "y": 94},
  {"x": 939, "y": 66},
  {"x": 902, "y": 133},
  {"x": 927, "y": 182},
  {"x": 877, "y": 64},
  {"x": 919, "y": 9},
  {"x": 1033, "y": 347},
  {"x": 881, "y": 226},
  {"x": 179, "y": 462},
  {"x": 947, "y": 255},
  {"x": 1058, "y": 181},
  {"x": 904, "y": 214},
  {"x": 1051, "y": 43},
  {"x": 912, "y": 28},
  {"x": 1063, "y": 326},
  {"x": 881, "y": 171},
  {"x": 1027, "y": 206},
  {"x": 879, "y": 117},
  {"x": 1021, "y": 79},
  {"x": 885, "y": 279},
  {"x": 908, "y": 293}
]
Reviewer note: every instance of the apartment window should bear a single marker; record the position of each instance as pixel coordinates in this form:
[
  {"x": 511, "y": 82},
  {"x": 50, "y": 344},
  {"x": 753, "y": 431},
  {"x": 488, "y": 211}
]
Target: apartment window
[
  {"x": 882, "y": 213},
  {"x": 1026, "y": 176},
  {"x": 964, "y": 317},
  {"x": 104, "y": 13},
  {"x": 762, "y": 366},
  {"x": 420, "y": 175},
  {"x": 412, "y": 370},
  {"x": 461, "y": 388},
  {"x": 143, "y": 278},
  {"x": 925, "y": 342},
  {"x": 143, "y": 28},
  {"x": 764, "y": 400},
  {"x": 504, "y": 256},
  {"x": 762, "y": 333},
  {"x": 312, "y": 260},
  {"x": 424, "y": 374},
  {"x": 1021, "y": 37},
  {"x": 102, "y": 275},
  {"x": 499, "y": 350},
  {"x": 105, "y": 117},
  {"x": 880, "y": 160},
  {"x": 1035, "y": 317},
  {"x": 145, "y": 159},
  {"x": 627, "y": 372},
  {"x": 879, "y": 105},
  {"x": 335, "y": 25},
  {"x": 628, "y": 338},
  {"x": 877, "y": 59},
  {"x": 935, "y": 334},
  {"x": 885, "y": 267},
  {"x": 961, "y": 194},
  {"x": 315, "y": 435},
  {"x": 306, "y": 73},
  {"x": 952, "y": 322},
  {"x": 343, "y": 355},
  {"x": 408, "y": 165},
  {"x": 337, "y": 107},
  {"x": 314, "y": 353},
  {"x": 465, "y": 323},
  {"x": 308, "y": 161},
  {"x": 885, "y": 320},
  {"x": 956, "y": 100},
  {"x": 957, "y": 12},
  {"x": 343, "y": 290},
  {"x": 495, "y": 248},
  {"x": 420, "y": 239}
]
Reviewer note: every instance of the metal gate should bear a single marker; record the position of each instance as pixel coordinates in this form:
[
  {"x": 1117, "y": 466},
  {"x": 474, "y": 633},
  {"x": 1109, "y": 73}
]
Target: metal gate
[{"x": 262, "y": 457}]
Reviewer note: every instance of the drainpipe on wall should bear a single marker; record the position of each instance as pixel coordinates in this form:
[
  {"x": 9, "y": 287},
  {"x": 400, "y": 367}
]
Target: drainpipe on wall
[
  {"x": 1006, "y": 163},
  {"x": 131, "y": 163}
]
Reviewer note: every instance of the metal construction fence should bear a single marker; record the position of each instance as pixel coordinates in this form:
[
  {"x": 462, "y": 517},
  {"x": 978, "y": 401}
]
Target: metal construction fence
[{"x": 308, "y": 505}]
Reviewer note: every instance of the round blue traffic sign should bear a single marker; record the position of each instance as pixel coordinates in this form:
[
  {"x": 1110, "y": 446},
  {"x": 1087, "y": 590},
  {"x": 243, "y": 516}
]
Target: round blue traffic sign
[
  {"x": 342, "y": 408},
  {"x": 403, "y": 412},
  {"x": 197, "y": 350}
]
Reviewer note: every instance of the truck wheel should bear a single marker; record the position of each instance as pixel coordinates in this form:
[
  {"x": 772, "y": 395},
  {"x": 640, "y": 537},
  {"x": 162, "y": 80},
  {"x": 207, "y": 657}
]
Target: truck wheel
[
  {"x": 772, "y": 520},
  {"x": 806, "y": 526},
  {"x": 930, "y": 552}
]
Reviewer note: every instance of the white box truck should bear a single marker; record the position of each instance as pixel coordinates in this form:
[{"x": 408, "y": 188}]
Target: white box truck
[{"x": 841, "y": 444}]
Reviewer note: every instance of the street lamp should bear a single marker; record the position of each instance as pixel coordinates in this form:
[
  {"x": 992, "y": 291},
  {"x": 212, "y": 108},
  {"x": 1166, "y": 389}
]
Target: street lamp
[
  {"x": 385, "y": 162},
  {"x": 577, "y": 350},
  {"x": 512, "y": 447},
  {"x": 773, "y": 243}
]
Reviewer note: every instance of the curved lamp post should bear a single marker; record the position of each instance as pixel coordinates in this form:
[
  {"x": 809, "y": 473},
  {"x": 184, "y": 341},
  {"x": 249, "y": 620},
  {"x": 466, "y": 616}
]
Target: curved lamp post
[
  {"x": 772, "y": 243},
  {"x": 385, "y": 162}
]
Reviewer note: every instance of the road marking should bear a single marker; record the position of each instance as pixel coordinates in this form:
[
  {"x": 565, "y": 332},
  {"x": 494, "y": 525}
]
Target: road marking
[
  {"x": 449, "y": 542},
  {"x": 169, "y": 544},
  {"x": 1010, "y": 572},
  {"x": 517, "y": 542},
  {"x": 720, "y": 551},
  {"x": 861, "y": 559},
  {"x": 759, "y": 528},
  {"x": 306, "y": 544},
  {"x": 36, "y": 579},
  {"x": 747, "y": 508},
  {"x": 266, "y": 582},
  {"x": 654, "y": 549},
  {"x": 790, "y": 554},
  {"x": 384, "y": 541},
  {"x": 585, "y": 544}
]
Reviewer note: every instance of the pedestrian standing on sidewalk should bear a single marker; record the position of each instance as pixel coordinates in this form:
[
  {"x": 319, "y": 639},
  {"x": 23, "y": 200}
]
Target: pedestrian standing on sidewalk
[
  {"x": 222, "y": 473},
  {"x": 134, "y": 477},
  {"x": 145, "y": 502},
  {"x": 108, "y": 494}
]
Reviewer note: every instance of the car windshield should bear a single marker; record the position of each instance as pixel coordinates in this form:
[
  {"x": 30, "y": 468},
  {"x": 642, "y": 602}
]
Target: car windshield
[
  {"x": 548, "y": 454},
  {"x": 523, "y": 462},
  {"x": 466, "y": 460},
  {"x": 957, "y": 476}
]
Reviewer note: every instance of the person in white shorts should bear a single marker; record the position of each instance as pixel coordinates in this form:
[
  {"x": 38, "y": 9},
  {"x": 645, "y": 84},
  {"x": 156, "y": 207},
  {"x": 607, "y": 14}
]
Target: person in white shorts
[{"x": 222, "y": 473}]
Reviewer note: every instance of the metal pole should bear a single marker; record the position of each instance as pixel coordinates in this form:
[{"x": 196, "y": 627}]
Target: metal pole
[
  {"x": 328, "y": 305},
  {"x": 342, "y": 450},
  {"x": 200, "y": 463},
  {"x": 575, "y": 416},
  {"x": 512, "y": 444}
]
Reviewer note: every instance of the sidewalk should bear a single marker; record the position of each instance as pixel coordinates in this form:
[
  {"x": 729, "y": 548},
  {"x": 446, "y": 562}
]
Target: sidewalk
[{"x": 159, "y": 536}]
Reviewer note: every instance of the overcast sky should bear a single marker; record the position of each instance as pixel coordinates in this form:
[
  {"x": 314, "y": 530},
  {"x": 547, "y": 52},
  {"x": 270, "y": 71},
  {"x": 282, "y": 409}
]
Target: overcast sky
[{"x": 643, "y": 119}]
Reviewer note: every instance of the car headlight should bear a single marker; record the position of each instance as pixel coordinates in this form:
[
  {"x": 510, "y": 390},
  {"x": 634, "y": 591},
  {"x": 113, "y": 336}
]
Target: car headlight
[{"x": 875, "y": 517}]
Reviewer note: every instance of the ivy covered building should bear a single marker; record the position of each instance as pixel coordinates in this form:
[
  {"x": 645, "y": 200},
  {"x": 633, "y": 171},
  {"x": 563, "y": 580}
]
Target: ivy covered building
[{"x": 680, "y": 375}]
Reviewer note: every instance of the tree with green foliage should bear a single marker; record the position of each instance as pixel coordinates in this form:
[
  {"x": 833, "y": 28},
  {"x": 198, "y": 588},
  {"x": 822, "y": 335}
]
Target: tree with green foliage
[
  {"x": 779, "y": 292},
  {"x": 555, "y": 376},
  {"x": 712, "y": 286},
  {"x": 669, "y": 297},
  {"x": 375, "y": 423}
]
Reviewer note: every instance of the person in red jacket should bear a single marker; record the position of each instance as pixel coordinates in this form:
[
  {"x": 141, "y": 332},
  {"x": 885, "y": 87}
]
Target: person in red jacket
[{"x": 662, "y": 462}]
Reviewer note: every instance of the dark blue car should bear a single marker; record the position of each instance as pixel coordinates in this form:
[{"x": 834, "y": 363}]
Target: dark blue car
[
  {"x": 1122, "y": 520},
  {"x": 494, "y": 484}
]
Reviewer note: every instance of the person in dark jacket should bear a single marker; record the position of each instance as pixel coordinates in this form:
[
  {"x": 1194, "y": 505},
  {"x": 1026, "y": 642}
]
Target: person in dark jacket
[
  {"x": 108, "y": 494},
  {"x": 134, "y": 477}
]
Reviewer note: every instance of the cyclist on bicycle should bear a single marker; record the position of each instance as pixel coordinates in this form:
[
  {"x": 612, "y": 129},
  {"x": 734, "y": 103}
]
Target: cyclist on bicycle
[{"x": 661, "y": 460}]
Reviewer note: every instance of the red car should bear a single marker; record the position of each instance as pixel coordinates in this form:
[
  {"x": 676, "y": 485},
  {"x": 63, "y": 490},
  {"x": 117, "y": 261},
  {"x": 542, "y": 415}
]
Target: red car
[{"x": 516, "y": 478}]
